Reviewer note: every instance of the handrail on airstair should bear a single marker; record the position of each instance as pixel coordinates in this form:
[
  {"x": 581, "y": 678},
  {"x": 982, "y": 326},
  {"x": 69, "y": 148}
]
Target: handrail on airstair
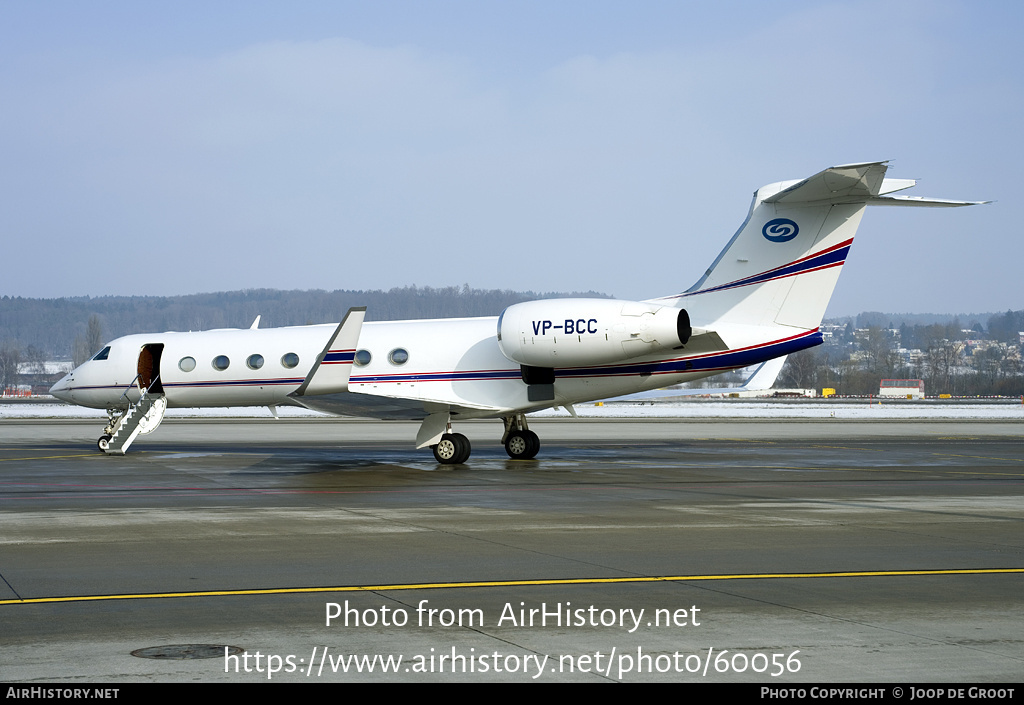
[
  {"x": 143, "y": 390},
  {"x": 123, "y": 429}
]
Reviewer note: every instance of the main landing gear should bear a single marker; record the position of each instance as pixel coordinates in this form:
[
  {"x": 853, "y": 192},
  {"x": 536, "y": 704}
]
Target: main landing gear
[
  {"x": 452, "y": 449},
  {"x": 520, "y": 443}
]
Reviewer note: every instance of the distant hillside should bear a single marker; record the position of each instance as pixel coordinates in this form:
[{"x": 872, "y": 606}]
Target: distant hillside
[
  {"x": 52, "y": 325},
  {"x": 868, "y": 319}
]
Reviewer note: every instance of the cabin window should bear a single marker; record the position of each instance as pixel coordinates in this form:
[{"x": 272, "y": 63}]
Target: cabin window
[
  {"x": 254, "y": 362},
  {"x": 102, "y": 354},
  {"x": 290, "y": 360},
  {"x": 398, "y": 356},
  {"x": 187, "y": 364},
  {"x": 221, "y": 362},
  {"x": 363, "y": 357}
]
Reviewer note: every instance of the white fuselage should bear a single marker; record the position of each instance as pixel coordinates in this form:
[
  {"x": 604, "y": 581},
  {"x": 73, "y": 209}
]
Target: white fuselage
[{"x": 450, "y": 362}]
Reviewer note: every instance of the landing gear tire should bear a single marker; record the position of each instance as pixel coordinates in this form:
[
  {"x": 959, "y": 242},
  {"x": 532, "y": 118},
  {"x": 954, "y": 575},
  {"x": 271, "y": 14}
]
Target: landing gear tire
[
  {"x": 104, "y": 442},
  {"x": 522, "y": 445},
  {"x": 453, "y": 449}
]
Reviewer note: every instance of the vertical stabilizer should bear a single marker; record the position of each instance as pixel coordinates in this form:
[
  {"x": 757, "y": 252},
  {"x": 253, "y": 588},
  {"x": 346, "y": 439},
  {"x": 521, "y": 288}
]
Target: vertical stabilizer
[{"x": 781, "y": 267}]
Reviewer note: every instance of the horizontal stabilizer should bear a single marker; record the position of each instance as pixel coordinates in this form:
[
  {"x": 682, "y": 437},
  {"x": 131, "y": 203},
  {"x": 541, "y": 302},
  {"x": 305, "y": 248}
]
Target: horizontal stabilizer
[
  {"x": 704, "y": 341},
  {"x": 849, "y": 183},
  {"x": 330, "y": 373},
  {"x": 921, "y": 202},
  {"x": 857, "y": 183}
]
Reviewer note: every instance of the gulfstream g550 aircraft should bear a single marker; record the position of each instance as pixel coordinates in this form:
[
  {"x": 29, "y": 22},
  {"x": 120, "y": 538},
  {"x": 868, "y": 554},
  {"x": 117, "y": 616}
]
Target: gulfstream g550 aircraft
[{"x": 762, "y": 298}]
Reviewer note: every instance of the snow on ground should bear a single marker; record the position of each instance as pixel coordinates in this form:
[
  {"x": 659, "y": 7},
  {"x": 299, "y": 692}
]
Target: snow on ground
[
  {"x": 796, "y": 410},
  {"x": 859, "y": 409},
  {"x": 57, "y": 410}
]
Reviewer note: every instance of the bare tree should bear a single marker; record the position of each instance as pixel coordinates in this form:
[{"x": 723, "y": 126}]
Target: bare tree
[
  {"x": 942, "y": 358},
  {"x": 879, "y": 356},
  {"x": 801, "y": 370},
  {"x": 36, "y": 360},
  {"x": 88, "y": 346},
  {"x": 94, "y": 334},
  {"x": 10, "y": 357}
]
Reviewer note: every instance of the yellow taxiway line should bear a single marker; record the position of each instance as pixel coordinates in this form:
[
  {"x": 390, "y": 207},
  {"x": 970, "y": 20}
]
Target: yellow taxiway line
[{"x": 513, "y": 583}]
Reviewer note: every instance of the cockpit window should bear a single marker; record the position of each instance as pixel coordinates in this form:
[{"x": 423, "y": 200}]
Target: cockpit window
[{"x": 102, "y": 354}]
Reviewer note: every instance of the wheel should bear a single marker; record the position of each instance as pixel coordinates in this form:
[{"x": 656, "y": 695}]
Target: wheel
[
  {"x": 465, "y": 448},
  {"x": 454, "y": 449},
  {"x": 522, "y": 445},
  {"x": 104, "y": 442}
]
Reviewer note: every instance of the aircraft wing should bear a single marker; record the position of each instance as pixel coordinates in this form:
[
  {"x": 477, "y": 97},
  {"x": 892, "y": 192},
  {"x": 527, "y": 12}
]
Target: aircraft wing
[
  {"x": 382, "y": 407},
  {"x": 364, "y": 405},
  {"x": 763, "y": 377}
]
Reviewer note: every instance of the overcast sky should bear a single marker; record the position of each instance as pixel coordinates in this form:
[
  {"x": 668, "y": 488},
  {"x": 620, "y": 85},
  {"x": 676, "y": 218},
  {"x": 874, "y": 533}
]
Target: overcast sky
[{"x": 174, "y": 148}]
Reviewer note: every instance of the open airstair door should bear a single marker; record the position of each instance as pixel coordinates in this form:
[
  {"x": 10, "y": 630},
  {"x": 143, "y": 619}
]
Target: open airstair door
[
  {"x": 144, "y": 415},
  {"x": 149, "y": 367}
]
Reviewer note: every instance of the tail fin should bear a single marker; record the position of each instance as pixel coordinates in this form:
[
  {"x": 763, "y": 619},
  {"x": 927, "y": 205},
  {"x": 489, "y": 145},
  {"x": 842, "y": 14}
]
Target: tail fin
[{"x": 782, "y": 265}]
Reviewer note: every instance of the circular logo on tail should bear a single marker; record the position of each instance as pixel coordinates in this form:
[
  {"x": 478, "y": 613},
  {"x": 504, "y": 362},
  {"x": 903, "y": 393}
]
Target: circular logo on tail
[{"x": 780, "y": 230}]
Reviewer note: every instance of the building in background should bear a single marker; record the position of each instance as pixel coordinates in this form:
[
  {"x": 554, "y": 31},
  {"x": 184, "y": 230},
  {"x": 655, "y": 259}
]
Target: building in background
[{"x": 903, "y": 388}]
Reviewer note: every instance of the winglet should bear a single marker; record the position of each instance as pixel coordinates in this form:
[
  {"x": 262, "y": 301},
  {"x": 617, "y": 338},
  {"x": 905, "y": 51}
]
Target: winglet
[
  {"x": 765, "y": 375},
  {"x": 330, "y": 372}
]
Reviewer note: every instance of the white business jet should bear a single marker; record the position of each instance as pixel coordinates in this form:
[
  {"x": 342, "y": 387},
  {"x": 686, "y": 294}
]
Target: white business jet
[{"x": 761, "y": 299}]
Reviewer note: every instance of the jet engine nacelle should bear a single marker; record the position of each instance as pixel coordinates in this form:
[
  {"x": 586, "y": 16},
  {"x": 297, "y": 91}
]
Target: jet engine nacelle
[{"x": 580, "y": 332}]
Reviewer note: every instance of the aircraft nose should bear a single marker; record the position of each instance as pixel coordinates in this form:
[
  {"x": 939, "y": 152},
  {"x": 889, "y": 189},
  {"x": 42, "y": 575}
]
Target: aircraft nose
[{"x": 62, "y": 389}]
